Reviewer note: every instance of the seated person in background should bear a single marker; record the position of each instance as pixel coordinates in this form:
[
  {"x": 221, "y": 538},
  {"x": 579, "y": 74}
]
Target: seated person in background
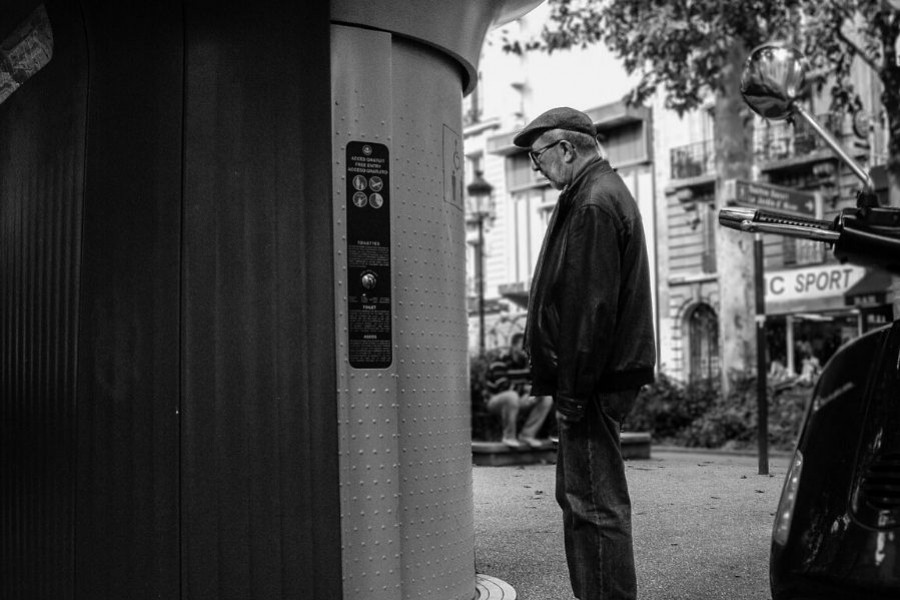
[
  {"x": 777, "y": 371},
  {"x": 810, "y": 369},
  {"x": 508, "y": 392}
]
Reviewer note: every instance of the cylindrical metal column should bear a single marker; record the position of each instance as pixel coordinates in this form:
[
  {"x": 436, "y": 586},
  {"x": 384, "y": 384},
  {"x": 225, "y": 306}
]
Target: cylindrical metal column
[
  {"x": 404, "y": 414},
  {"x": 399, "y": 71}
]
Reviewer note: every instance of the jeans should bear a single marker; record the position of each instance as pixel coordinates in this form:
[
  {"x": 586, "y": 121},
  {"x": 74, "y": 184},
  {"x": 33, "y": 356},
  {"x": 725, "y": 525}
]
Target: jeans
[{"x": 592, "y": 491}]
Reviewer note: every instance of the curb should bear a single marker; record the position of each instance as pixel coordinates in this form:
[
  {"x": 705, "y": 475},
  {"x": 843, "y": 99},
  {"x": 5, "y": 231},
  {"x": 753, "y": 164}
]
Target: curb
[
  {"x": 720, "y": 451},
  {"x": 635, "y": 445}
]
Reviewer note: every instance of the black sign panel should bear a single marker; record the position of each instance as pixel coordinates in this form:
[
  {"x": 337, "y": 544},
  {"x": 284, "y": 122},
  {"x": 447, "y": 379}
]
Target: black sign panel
[
  {"x": 369, "y": 281},
  {"x": 774, "y": 197}
]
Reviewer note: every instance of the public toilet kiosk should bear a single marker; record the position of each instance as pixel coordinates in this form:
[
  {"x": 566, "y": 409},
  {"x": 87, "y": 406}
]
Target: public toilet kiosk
[{"x": 234, "y": 356}]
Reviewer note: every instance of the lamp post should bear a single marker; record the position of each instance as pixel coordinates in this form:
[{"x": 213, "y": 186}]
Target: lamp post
[{"x": 480, "y": 191}]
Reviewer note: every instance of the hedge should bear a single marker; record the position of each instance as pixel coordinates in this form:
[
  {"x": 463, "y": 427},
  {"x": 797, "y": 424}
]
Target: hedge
[
  {"x": 697, "y": 415},
  {"x": 692, "y": 415}
]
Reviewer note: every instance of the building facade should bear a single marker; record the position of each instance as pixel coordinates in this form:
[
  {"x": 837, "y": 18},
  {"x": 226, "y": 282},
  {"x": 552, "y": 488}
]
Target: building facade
[{"x": 667, "y": 161}]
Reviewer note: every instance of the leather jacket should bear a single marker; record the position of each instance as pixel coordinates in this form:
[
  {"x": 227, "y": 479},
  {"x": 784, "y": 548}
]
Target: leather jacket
[{"x": 590, "y": 316}]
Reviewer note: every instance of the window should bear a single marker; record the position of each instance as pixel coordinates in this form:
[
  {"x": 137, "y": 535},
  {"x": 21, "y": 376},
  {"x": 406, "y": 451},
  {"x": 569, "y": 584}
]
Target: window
[
  {"x": 626, "y": 144},
  {"x": 531, "y": 203},
  {"x": 520, "y": 172},
  {"x": 530, "y": 211},
  {"x": 703, "y": 343},
  {"x": 706, "y": 209},
  {"x": 472, "y": 105},
  {"x": 798, "y": 251}
]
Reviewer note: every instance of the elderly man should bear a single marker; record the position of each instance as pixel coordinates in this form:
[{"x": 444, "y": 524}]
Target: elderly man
[{"x": 591, "y": 343}]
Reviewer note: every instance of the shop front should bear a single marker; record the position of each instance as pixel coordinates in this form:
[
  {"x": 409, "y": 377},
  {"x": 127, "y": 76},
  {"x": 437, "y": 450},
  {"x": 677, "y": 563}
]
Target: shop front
[{"x": 812, "y": 311}]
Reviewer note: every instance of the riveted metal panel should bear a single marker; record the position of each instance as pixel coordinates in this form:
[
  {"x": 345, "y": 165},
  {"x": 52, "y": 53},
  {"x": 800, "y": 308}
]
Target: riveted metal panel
[{"x": 405, "y": 448}]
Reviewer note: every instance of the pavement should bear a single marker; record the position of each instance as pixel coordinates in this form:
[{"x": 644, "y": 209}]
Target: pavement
[{"x": 701, "y": 521}]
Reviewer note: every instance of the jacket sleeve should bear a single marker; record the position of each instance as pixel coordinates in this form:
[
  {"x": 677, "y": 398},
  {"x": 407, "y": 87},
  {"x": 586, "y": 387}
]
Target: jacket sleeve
[{"x": 588, "y": 305}]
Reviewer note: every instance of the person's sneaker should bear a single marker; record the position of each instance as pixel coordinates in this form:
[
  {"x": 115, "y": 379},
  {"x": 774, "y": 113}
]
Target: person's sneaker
[
  {"x": 533, "y": 442},
  {"x": 512, "y": 443}
]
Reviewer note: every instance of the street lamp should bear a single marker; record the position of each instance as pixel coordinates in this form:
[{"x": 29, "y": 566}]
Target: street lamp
[{"x": 481, "y": 209}]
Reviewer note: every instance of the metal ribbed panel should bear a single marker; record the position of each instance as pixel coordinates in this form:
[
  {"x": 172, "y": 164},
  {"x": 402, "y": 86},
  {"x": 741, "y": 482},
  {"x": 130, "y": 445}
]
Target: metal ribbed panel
[
  {"x": 880, "y": 484},
  {"x": 260, "y": 513},
  {"x": 126, "y": 543},
  {"x": 42, "y": 127}
]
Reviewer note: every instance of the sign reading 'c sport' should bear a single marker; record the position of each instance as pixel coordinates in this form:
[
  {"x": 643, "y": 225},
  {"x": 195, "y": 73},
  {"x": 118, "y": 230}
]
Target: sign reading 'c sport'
[{"x": 811, "y": 282}]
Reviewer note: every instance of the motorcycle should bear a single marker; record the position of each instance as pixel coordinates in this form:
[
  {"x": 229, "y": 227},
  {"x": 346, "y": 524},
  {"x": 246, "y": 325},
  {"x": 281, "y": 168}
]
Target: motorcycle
[{"x": 837, "y": 527}]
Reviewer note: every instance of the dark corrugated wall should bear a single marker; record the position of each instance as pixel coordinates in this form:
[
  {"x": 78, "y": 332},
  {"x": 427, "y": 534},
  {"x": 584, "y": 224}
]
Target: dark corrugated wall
[
  {"x": 42, "y": 129},
  {"x": 127, "y": 519},
  {"x": 260, "y": 516},
  {"x": 174, "y": 435}
]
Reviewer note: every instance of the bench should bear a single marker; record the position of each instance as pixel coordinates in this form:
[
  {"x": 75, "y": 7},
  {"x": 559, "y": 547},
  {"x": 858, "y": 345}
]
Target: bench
[{"x": 498, "y": 454}]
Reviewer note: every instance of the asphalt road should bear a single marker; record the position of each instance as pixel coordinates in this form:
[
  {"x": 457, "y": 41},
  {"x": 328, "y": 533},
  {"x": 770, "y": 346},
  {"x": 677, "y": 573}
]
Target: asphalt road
[{"x": 701, "y": 527}]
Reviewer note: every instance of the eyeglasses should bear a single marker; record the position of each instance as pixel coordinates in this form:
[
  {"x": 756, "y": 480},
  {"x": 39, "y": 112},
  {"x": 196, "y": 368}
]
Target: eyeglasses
[{"x": 535, "y": 155}]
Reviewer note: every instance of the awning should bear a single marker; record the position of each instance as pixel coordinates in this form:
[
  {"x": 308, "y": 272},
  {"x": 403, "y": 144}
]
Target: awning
[{"x": 871, "y": 290}]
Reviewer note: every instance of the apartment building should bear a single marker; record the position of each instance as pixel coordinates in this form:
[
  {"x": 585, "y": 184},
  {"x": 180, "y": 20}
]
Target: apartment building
[
  {"x": 667, "y": 162},
  {"x": 812, "y": 302}
]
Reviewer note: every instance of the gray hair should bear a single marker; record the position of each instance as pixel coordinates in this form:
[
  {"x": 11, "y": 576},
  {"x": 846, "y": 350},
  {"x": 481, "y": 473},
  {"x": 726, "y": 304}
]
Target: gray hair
[{"x": 582, "y": 142}]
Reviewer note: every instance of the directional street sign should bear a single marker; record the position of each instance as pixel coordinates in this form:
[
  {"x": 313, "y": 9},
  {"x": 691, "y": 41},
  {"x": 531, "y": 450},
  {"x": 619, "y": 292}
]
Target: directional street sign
[{"x": 774, "y": 197}]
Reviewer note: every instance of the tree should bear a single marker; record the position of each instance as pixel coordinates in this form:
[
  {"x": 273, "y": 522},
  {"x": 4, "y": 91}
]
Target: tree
[
  {"x": 689, "y": 50},
  {"x": 681, "y": 47},
  {"x": 837, "y": 33},
  {"x": 834, "y": 35}
]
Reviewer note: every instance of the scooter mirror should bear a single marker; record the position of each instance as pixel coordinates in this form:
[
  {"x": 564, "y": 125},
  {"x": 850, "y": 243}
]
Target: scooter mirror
[{"x": 773, "y": 78}]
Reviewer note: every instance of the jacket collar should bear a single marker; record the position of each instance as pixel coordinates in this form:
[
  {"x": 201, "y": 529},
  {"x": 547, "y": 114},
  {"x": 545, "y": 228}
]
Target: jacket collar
[{"x": 596, "y": 165}]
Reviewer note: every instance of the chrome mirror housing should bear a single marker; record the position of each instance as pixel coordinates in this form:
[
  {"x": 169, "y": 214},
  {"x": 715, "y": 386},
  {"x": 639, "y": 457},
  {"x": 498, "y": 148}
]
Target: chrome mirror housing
[{"x": 774, "y": 77}]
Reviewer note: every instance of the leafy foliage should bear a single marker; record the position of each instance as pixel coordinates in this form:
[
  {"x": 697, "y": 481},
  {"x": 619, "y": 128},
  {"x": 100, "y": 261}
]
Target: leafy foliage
[
  {"x": 698, "y": 415},
  {"x": 666, "y": 408},
  {"x": 681, "y": 47},
  {"x": 485, "y": 426},
  {"x": 838, "y": 32},
  {"x": 693, "y": 415},
  {"x": 687, "y": 48}
]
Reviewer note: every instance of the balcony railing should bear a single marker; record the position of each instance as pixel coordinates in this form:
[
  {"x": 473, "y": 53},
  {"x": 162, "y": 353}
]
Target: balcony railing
[
  {"x": 692, "y": 160},
  {"x": 773, "y": 141},
  {"x": 780, "y": 140}
]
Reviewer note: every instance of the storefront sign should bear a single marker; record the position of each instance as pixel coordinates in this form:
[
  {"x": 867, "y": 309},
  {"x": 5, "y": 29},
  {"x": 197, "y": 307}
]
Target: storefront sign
[
  {"x": 811, "y": 283},
  {"x": 876, "y": 316},
  {"x": 774, "y": 197},
  {"x": 871, "y": 291}
]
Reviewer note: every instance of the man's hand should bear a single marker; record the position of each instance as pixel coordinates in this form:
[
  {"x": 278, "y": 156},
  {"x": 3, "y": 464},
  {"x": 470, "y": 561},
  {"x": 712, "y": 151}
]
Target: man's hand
[{"x": 569, "y": 410}]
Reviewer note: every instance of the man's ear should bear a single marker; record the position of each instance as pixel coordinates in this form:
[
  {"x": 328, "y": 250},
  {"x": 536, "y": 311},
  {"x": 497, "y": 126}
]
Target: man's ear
[{"x": 569, "y": 149}]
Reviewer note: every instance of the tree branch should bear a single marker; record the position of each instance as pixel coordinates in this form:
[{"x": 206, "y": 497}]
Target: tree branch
[{"x": 855, "y": 50}]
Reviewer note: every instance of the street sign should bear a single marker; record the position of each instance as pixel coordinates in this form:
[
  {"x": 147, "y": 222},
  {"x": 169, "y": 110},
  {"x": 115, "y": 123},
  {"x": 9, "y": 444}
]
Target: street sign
[{"x": 774, "y": 197}]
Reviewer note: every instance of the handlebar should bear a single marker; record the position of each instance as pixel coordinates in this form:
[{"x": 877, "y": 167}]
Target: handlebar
[
  {"x": 766, "y": 221},
  {"x": 868, "y": 236}
]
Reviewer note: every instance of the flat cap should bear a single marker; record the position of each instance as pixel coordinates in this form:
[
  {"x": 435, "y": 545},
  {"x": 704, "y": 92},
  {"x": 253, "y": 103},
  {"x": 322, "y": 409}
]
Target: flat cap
[{"x": 562, "y": 117}]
